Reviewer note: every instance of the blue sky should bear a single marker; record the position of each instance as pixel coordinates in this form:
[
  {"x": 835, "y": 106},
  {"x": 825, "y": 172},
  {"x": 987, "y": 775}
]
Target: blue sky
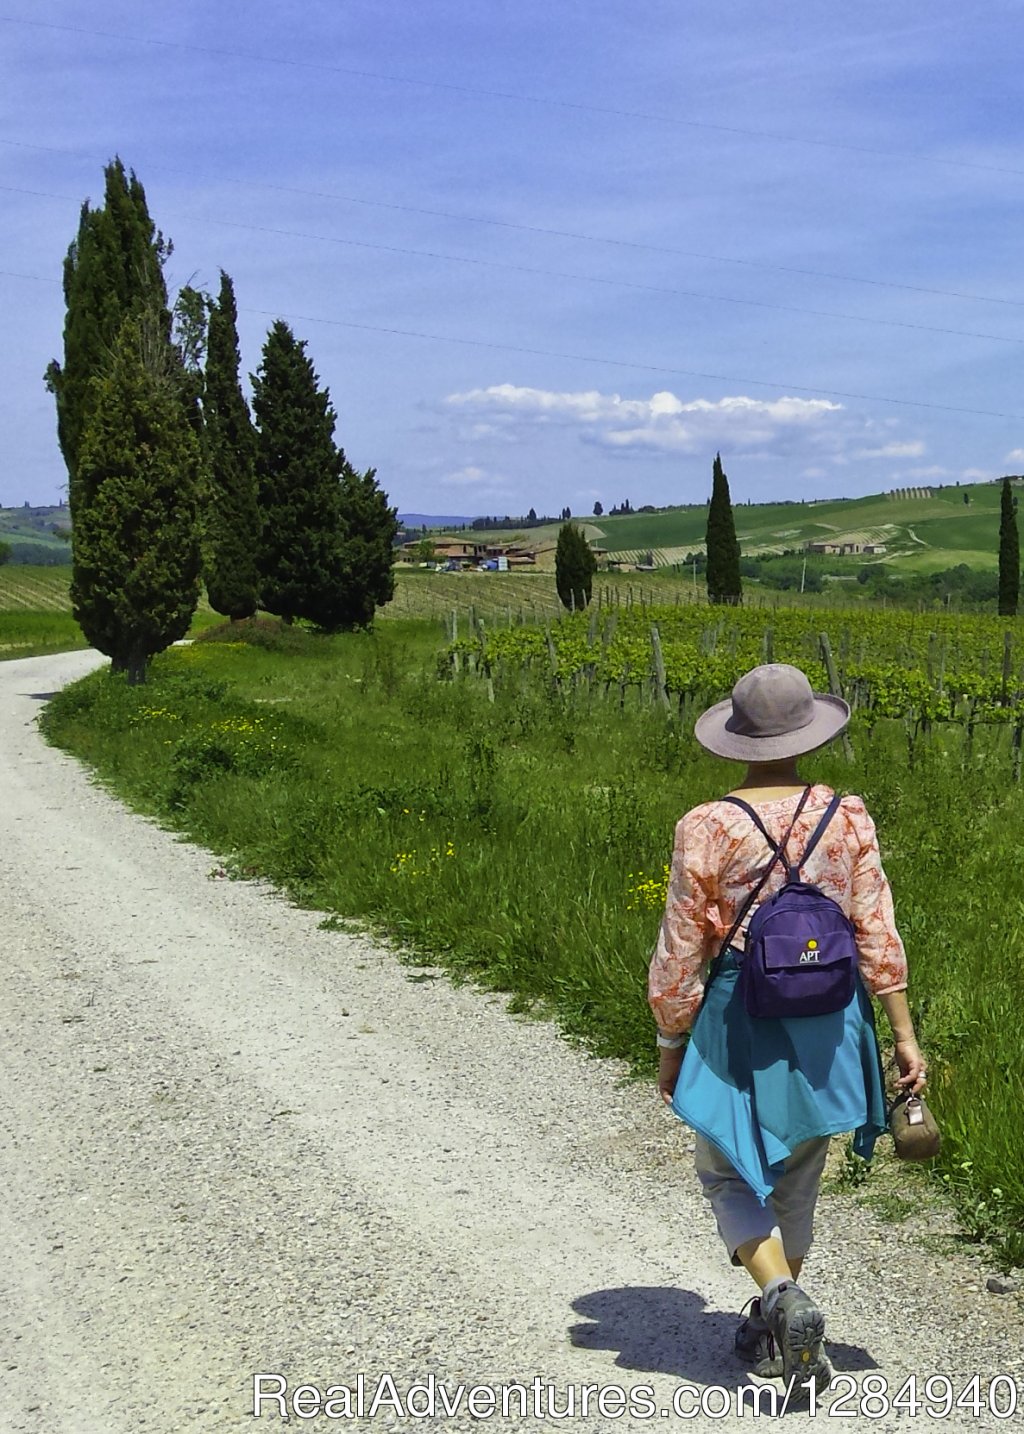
[{"x": 550, "y": 253}]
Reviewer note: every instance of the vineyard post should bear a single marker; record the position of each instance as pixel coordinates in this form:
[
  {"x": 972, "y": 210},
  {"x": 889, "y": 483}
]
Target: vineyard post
[
  {"x": 592, "y": 627},
  {"x": 1018, "y": 733},
  {"x": 552, "y": 654},
  {"x": 834, "y": 687},
  {"x": 661, "y": 686},
  {"x": 1007, "y": 660},
  {"x": 456, "y": 657},
  {"x": 768, "y": 644}
]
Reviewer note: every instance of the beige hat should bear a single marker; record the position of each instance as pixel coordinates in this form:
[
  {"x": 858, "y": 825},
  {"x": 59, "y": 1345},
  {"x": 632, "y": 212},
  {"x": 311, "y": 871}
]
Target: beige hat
[{"x": 772, "y": 714}]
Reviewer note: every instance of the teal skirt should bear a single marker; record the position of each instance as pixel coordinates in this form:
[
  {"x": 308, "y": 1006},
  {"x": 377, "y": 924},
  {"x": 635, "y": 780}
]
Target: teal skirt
[{"x": 757, "y": 1088}]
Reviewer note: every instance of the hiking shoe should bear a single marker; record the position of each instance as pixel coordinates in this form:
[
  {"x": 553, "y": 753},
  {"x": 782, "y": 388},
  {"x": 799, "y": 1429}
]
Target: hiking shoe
[
  {"x": 798, "y": 1328},
  {"x": 754, "y": 1344}
]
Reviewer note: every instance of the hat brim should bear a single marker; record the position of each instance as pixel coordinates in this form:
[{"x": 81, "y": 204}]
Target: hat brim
[{"x": 831, "y": 715}]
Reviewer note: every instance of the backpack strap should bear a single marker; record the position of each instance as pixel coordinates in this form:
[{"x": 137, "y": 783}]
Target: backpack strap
[
  {"x": 777, "y": 851},
  {"x": 816, "y": 836}
]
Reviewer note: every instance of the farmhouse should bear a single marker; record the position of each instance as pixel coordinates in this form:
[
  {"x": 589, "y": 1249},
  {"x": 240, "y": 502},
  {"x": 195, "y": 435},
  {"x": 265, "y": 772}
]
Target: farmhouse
[
  {"x": 845, "y": 550},
  {"x": 469, "y": 554}
]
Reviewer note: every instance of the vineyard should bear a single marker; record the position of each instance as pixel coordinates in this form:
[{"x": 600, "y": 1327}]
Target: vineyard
[
  {"x": 34, "y": 589},
  {"x": 924, "y": 668}
]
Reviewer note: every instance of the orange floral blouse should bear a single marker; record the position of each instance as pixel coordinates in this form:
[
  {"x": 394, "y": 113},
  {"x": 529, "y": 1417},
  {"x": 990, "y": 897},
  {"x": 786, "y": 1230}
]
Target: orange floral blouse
[{"x": 718, "y": 858}]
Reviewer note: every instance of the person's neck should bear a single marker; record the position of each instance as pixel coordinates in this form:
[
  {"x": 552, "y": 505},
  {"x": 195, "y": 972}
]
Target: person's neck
[{"x": 774, "y": 776}]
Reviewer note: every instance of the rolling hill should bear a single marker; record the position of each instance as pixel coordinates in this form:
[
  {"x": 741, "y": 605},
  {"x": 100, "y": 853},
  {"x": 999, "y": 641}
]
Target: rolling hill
[
  {"x": 32, "y": 533},
  {"x": 925, "y": 533}
]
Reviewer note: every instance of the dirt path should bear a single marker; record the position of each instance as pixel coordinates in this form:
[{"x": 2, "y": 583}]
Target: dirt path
[{"x": 232, "y": 1143}]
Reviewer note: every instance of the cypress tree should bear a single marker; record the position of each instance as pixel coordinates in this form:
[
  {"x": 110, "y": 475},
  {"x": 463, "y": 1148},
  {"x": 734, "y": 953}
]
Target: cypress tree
[
  {"x": 575, "y": 566},
  {"x": 135, "y": 547},
  {"x": 232, "y": 530},
  {"x": 1009, "y": 554},
  {"x": 298, "y": 473},
  {"x": 723, "y": 549},
  {"x": 113, "y": 267},
  {"x": 367, "y": 576}
]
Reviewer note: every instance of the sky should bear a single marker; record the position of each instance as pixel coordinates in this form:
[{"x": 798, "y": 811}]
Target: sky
[{"x": 547, "y": 255}]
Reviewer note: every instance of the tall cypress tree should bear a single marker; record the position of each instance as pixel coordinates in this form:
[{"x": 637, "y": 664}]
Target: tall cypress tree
[
  {"x": 114, "y": 267},
  {"x": 1009, "y": 554},
  {"x": 298, "y": 473},
  {"x": 369, "y": 527},
  {"x": 575, "y": 566},
  {"x": 723, "y": 549},
  {"x": 135, "y": 546},
  {"x": 232, "y": 532}
]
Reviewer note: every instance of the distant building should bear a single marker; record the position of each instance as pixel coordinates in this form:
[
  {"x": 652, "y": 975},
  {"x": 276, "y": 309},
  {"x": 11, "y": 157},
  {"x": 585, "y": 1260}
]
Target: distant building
[{"x": 845, "y": 550}]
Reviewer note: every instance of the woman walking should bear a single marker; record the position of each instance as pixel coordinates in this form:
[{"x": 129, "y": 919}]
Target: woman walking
[{"x": 765, "y": 1093}]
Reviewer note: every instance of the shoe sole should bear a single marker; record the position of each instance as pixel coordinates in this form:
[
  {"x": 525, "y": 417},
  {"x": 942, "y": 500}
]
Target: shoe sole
[{"x": 803, "y": 1356}]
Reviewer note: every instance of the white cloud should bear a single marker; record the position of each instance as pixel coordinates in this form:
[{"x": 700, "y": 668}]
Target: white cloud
[
  {"x": 662, "y": 423},
  {"x": 913, "y": 449},
  {"x": 1015, "y": 455}
]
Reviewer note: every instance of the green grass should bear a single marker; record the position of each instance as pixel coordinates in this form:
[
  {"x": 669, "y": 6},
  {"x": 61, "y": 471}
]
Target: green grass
[
  {"x": 31, "y": 634},
  {"x": 521, "y": 842}
]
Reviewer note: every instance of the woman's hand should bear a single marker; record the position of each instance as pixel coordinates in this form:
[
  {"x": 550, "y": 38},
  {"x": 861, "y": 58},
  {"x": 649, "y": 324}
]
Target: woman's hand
[
  {"x": 669, "y": 1066},
  {"x": 913, "y": 1070}
]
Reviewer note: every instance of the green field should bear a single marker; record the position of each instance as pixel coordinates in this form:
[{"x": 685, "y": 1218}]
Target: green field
[{"x": 920, "y": 534}]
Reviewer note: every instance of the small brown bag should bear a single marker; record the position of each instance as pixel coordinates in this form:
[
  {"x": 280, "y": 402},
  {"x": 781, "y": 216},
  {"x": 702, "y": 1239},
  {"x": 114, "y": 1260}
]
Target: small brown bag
[{"x": 913, "y": 1128}]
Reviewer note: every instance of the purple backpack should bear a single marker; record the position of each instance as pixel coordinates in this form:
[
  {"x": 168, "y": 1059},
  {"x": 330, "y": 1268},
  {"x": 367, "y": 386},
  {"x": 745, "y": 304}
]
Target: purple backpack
[{"x": 800, "y": 956}]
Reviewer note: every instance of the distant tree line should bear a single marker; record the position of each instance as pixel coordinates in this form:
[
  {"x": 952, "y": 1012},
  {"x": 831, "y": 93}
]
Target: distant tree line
[
  {"x": 531, "y": 520},
  {"x": 170, "y": 482}
]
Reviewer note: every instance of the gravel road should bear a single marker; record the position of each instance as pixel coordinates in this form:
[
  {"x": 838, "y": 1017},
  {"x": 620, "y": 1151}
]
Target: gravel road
[{"x": 233, "y": 1143}]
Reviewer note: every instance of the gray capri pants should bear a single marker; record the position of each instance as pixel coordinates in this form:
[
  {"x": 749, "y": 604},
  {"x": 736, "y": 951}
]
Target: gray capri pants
[{"x": 789, "y": 1213}]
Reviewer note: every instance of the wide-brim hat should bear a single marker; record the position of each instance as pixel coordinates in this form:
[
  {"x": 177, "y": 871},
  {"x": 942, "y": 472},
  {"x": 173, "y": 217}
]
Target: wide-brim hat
[{"x": 773, "y": 713}]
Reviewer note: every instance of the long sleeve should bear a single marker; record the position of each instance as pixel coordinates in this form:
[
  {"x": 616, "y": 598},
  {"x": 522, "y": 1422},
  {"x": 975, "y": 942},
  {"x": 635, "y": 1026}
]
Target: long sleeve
[
  {"x": 883, "y": 961},
  {"x": 675, "y": 986}
]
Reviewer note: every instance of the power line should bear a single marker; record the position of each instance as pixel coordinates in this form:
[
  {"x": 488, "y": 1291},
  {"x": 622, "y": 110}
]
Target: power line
[
  {"x": 614, "y": 283},
  {"x": 549, "y": 232},
  {"x": 785, "y": 388},
  {"x": 562, "y": 274},
  {"x": 39, "y": 278},
  {"x": 223, "y": 52}
]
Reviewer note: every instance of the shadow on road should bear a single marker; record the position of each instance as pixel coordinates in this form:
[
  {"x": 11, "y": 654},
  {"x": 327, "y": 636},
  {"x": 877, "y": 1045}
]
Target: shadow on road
[
  {"x": 38, "y": 696},
  {"x": 659, "y": 1330}
]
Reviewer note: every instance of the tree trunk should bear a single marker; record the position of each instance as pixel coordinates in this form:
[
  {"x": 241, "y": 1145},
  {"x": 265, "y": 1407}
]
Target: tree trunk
[{"x": 136, "y": 668}]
